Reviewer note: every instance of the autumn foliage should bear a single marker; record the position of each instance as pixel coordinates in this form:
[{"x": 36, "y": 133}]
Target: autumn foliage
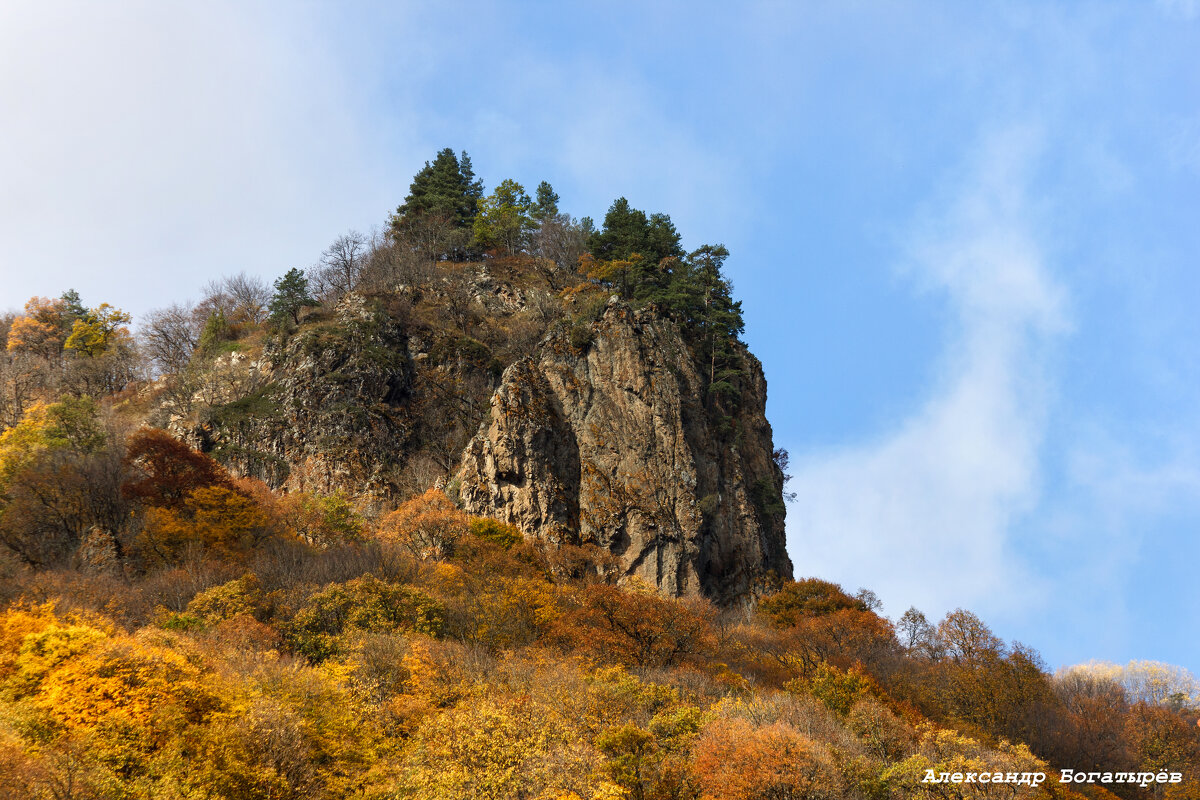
[
  {"x": 427, "y": 526},
  {"x": 638, "y": 628},
  {"x": 371, "y": 668},
  {"x": 166, "y": 471},
  {"x": 40, "y": 330},
  {"x": 269, "y": 645},
  {"x": 170, "y": 630},
  {"x": 218, "y": 520},
  {"x": 736, "y": 760}
]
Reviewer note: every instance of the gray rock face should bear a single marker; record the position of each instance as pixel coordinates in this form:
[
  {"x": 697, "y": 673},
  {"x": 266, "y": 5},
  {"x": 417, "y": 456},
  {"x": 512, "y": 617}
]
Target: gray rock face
[
  {"x": 601, "y": 435},
  {"x": 329, "y": 413},
  {"x": 611, "y": 444}
]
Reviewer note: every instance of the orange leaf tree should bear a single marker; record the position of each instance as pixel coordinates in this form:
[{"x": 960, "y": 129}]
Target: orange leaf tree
[{"x": 428, "y": 526}]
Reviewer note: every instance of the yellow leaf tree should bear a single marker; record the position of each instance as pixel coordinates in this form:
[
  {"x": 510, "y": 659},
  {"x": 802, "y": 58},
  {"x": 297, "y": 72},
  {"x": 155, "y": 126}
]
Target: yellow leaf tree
[{"x": 98, "y": 330}]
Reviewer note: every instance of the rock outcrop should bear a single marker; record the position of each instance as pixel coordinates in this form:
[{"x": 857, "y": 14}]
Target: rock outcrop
[
  {"x": 599, "y": 433},
  {"x": 609, "y": 442},
  {"x": 331, "y": 411}
]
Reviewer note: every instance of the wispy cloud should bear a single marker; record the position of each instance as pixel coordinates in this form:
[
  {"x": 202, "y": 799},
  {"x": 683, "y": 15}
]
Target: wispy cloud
[
  {"x": 924, "y": 514},
  {"x": 158, "y": 142},
  {"x": 1123, "y": 487}
]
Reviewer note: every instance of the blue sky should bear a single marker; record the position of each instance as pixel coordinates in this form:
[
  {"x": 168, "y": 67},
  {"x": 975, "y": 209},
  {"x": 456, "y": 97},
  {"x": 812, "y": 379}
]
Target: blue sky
[{"x": 966, "y": 237}]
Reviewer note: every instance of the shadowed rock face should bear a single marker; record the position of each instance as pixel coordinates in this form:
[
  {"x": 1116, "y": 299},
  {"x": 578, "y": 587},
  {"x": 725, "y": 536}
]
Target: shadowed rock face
[{"x": 611, "y": 445}]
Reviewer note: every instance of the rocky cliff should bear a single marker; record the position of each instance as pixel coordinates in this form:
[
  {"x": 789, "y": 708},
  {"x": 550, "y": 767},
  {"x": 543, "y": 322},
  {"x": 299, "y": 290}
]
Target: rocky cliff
[
  {"x": 328, "y": 409},
  {"x": 609, "y": 443},
  {"x": 591, "y": 430}
]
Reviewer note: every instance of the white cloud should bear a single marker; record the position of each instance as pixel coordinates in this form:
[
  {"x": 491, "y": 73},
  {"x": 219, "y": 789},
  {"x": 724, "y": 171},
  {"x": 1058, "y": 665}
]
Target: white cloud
[
  {"x": 924, "y": 515},
  {"x": 147, "y": 147}
]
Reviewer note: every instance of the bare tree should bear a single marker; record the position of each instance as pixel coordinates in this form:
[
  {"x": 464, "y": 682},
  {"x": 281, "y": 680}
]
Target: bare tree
[
  {"x": 250, "y": 296},
  {"x": 435, "y": 237},
  {"x": 24, "y": 377},
  {"x": 241, "y": 298},
  {"x": 213, "y": 299},
  {"x": 341, "y": 267},
  {"x": 169, "y": 336},
  {"x": 561, "y": 239},
  {"x": 104, "y": 373},
  {"x": 390, "y": 264},
  {"x": 918, "y": 636}
]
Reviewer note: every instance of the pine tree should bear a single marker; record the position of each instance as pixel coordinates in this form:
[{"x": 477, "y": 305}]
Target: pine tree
[
  {"x": 623, "y": 234},
  {"x": 291, "y": 295},
  {"x": 717, "y": 322},
  {"x": 446, "y": 188},
  {"x": 662, "y": 240},
  {"x": 650, "y": 245},
  {"x": 628, "y": 231},
  {"x": 473, "y": 191},
  {"x": 73, "y": 307},
  {"x": 546, "y": 204}
]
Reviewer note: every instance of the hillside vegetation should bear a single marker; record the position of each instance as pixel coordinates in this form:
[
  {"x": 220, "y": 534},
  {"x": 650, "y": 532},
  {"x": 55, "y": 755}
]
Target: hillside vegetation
[{"x": 235, "y": 560}]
